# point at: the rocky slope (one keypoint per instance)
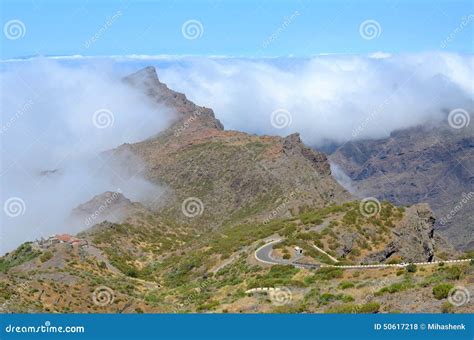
(432, 164)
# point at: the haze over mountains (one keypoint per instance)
(329, 99)
(213, 197)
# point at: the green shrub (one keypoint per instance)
(355, 252)
(446, 307)
(328, 273)
(46, 256)
(441, 291)
(132, 272)
(453, 273)
(346, 285)
(411, 268)
(325, 298)
(395, 287)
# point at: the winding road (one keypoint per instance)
(263, 254)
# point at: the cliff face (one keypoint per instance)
(413, 239)
(432, 164)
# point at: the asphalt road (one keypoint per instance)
(263, 254)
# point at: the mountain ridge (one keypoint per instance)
(245, 190)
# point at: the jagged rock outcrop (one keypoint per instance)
(148, 81)
(413, 238)
(293, 143)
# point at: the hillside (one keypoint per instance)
(148, 265)
(432, 164)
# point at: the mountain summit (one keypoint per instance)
(235, 175)
(148, 81)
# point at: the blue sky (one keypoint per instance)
(231, 28)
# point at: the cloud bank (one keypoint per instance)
(331, 98)
(56, 121)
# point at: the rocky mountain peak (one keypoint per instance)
(319, 161)
(196, 157)
(147, 80)
(110, 205)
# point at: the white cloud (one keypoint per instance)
(329, 97)
(48, 124)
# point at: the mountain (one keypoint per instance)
(229, 196)
(232, 174)
(108, 206)
(432, 164)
